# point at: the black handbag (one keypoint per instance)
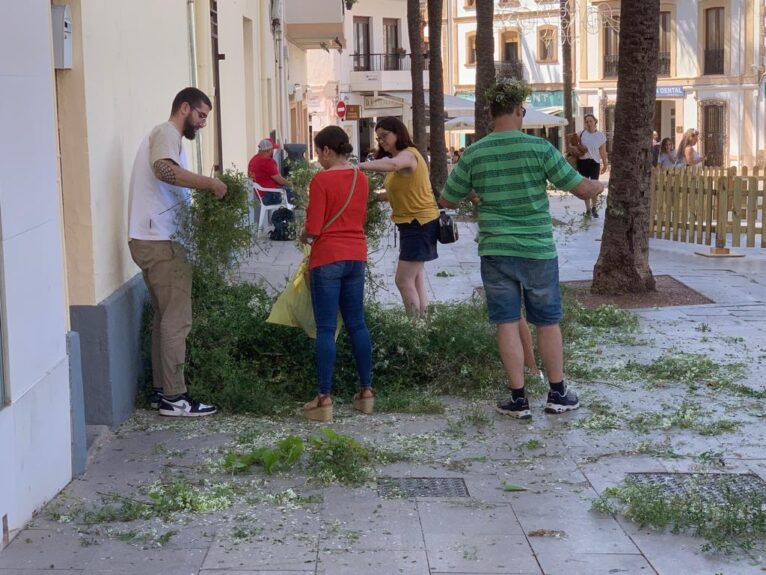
(447, 229)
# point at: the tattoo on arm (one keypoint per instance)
(164, 171)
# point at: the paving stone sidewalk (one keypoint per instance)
(283, 525)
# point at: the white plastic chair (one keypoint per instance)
(264, 218)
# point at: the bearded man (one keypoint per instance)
(159, 186)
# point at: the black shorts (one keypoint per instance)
(418, 242)
(590, 169)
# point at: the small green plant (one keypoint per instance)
(179, 495)
(336, 458)
(477, 416)
(216, 232)
(512, 487)
(737, 522)
(470, 553)
(444, 274)
(605, 316)
(284, 456)
(603, 417)
(145, 538)
(241, 533)
(687, 368)
(117, 509)
(711, 458)
(685, 416)
(533, 444)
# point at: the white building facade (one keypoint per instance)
(35, 418)
(370, 75)
(710, 74)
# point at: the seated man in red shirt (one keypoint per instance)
(263, 170)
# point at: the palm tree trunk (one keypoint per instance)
(416, 71)
(436, 97)
(623, 263)
(485, 63)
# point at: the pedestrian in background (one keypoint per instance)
(158, 189)
(656, 147)
(667, 157)
(414, 211)
(263, 170)
(594, 161)
(334, 228)
(686, 155)
(508, 170)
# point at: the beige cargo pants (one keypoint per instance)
(168, 276)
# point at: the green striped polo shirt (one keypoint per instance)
(509, 171)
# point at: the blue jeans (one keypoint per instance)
(333, 286)
(508, 279)
(272, 198)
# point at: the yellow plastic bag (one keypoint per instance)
(293, 306)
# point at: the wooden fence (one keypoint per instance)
(687, 206)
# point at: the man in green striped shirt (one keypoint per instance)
(508, 171)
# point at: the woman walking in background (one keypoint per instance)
(667, 157)
(334, 228)
(414, 210)
(594, 161)
(687, 156)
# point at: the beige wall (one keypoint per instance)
(127, 69)
(248, 77)
(75, 174)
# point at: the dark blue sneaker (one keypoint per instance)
(558, 403)
(155, 398)
(518, 408)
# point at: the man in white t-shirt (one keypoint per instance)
(159, 186)
(594, 161)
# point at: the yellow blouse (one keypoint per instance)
(410, 194)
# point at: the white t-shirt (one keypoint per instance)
(153, 204)
(592, 141)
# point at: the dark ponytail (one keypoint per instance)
(335, 138)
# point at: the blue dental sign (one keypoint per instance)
(670, 92)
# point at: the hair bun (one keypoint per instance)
(346, 148)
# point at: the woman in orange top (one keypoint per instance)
(334, 227)
(413, 207)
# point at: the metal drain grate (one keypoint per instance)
(714, 486)
(422, 487)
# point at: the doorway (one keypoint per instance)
(366, 137)
(713, 132)
(665, 119)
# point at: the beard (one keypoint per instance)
(190, 132)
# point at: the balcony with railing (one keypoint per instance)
(370, 72)
(610, 65)
(664, 65)
(381, 62)
(315, 24)
(510, 69)
(714, 61)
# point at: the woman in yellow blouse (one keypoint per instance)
(413, 207)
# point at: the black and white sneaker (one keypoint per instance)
(518, 408)
(185, 406)
(558, 403)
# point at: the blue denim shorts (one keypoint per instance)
(508, 279)
(418, 242)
